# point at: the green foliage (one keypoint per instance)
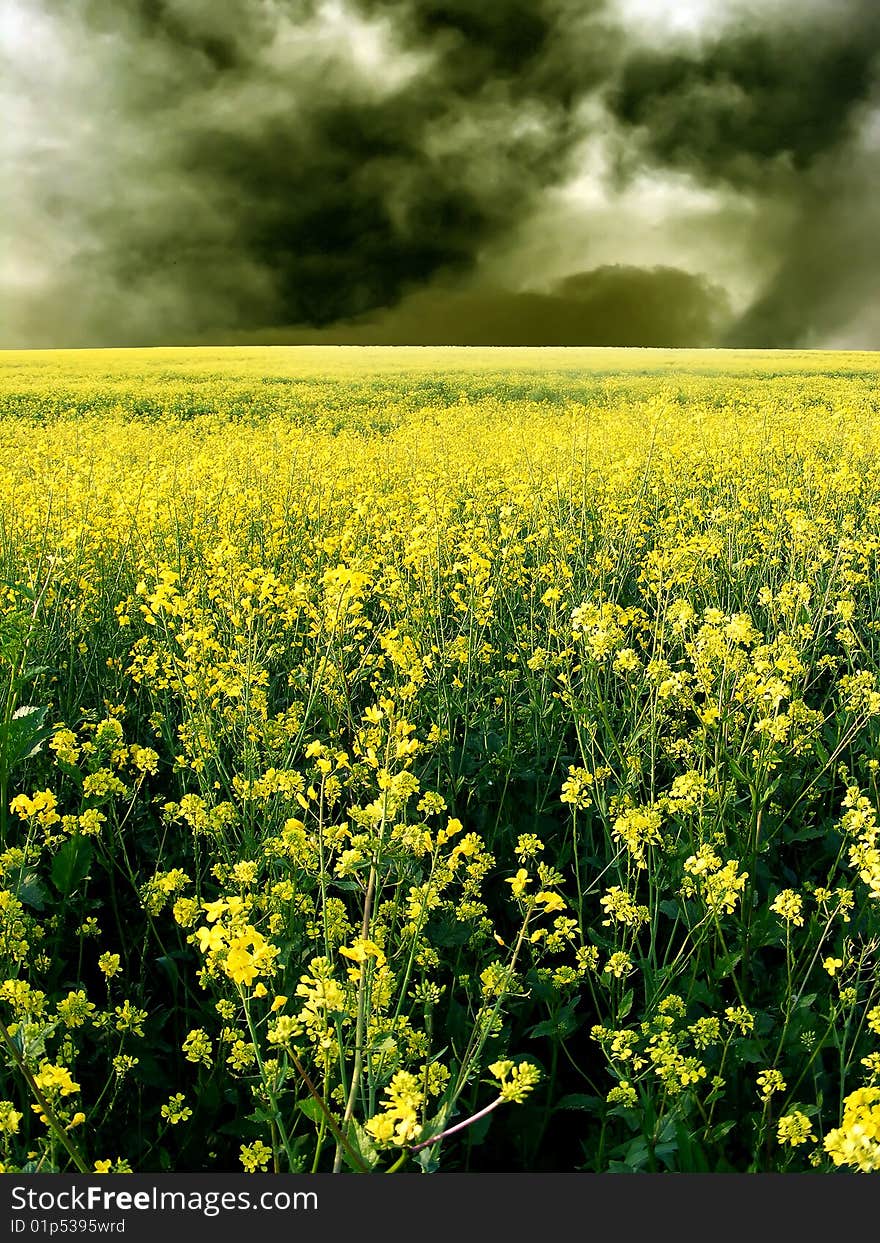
(381, 754)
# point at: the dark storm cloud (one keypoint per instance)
(322, 157)
(825, 288)
(351, 195)
(610, 305)
(185, 168)
(781, 113)
(737, 105)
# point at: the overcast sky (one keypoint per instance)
(682, 172)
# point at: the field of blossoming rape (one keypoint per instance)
(444, 760)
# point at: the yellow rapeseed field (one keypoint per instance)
(390, 737)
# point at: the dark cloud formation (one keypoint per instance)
(742, 102)
(291, 160)
(352, 193)
(626, 305)
(190, 168)
(788, 112)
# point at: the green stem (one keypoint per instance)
(319, 1100)
(48, 1112)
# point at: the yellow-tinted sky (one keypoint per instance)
(537, 171)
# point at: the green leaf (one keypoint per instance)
(561, 1026)
(476, 1133)
(749, 1051)
(25, 735)
(546, 1028)
(169, 966)
(312, 1110)
(427, 1160)
(808, 834)
(691, 1158)
(362, 1145)
(625, 1006)
(32, 891)
(28, 675)
(451, 933)
(579, 1100)
(666, 1153)
(263, 1115)
(700, 991)
(71, 865)
(726, 964)
(637, 1154)
(31, 1042)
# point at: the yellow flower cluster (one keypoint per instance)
(856, 1142)
(232, 944)
(362, 716)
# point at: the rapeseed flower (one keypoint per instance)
(794, 1128)
(266, 611)
(789, 906)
